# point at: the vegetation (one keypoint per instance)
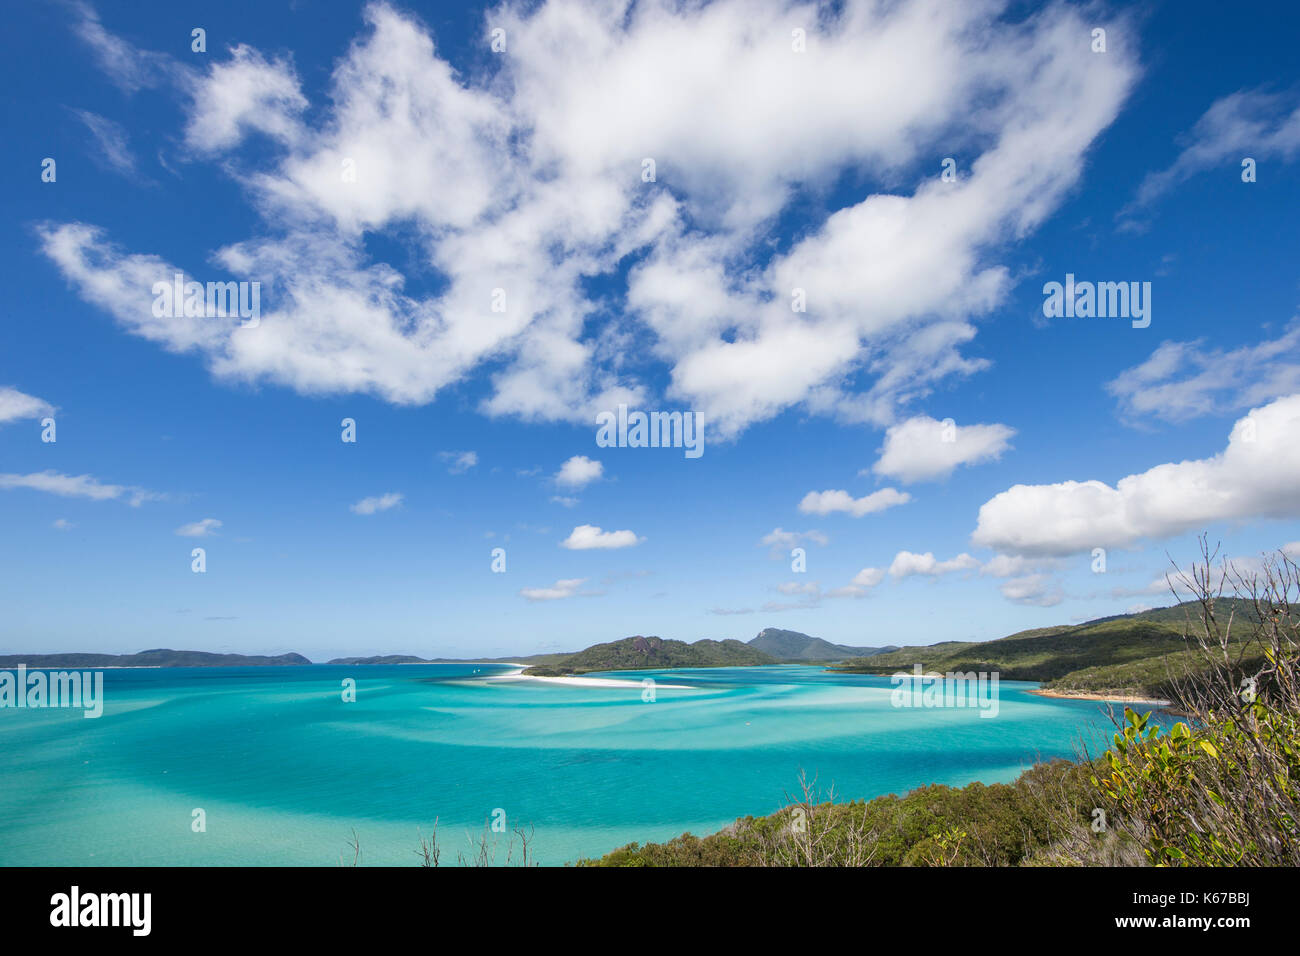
(1137, 655)
(1220, 790)
(639, 653)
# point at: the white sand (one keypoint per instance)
(630, 684)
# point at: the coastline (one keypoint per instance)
(575, 681)
(1103, 698)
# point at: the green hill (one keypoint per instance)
(637, 653)
(794, 646)
(1127, 655)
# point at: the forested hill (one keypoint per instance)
(638, 653)
(1133, 654)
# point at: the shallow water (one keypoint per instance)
(285, 771)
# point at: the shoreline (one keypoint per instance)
(576, 681)
(1102, 698)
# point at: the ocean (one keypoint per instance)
(271, 766)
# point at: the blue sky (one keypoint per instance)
(521, 169)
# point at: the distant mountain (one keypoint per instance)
(637, 653)
(383, 659)
(158, 657)
(793, 646)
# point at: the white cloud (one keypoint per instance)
(62, 524)
(199, 529)
(795, 587)
(1248, 123)
(564, 500)
(587, 536)
(78, 486)
(1038, 590)
(1009, 566)
(461, 461)
(131, 68)
(862, 584)
(369, 506)
(111, 143)
(828, 502)
(1254, 477)
(522, 173)
(868, 577)
(561, 589)
(917, 449)
(780, 540)
(16, 405)
(578, 471)
(246, 92)
(1184, 380)
(907, 563)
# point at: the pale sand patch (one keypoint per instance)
(1111, 698)
(580, 681)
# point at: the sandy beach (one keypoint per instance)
(1104, 698)
(578, 681)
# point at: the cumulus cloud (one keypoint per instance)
(829, 502)
(514, 180)
(199, 529)
(369, 506)
(245, 93)
(16, 405)
(1254, 477)
(1013, 565)
(1185, 380)
(78, 486)
(923, 449)
(561, 589)
(1037, 590)
(578, 471)
(907, 563)
(862, 584)
(586, 537)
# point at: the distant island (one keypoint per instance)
(1127, 656)
(639, 653)
(383, 659)
(158, 657)
(1124, 657)
(794, 646)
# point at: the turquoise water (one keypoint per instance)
(285, 770)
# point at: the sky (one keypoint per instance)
(826, 234)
